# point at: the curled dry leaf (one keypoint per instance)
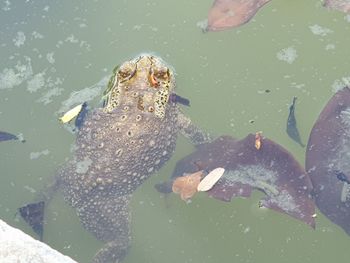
(187, 185)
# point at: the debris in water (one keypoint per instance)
(81, 116)
(187, 185)
(210, 180)
(5, 136)
(178, 99)
(226, 14)
(33, 214)
(271, 169)
(340, 5)
(292, 129)
(71, 114)
(288, 55)
(327, 159)
(257, 140)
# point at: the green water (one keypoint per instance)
(73, 45)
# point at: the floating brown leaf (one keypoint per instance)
(232, 13)
(340, 5)
(186, 185)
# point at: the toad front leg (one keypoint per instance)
(188, 129)
(108, 218)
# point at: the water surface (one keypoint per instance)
(50, 49)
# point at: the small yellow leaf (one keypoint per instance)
(210, 180)
(69, 115)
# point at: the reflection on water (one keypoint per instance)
(50, 50)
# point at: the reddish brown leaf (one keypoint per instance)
(232, 13)
(340, 5)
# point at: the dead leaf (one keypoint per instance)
(187, 185)
(210, 180)
(232, 13)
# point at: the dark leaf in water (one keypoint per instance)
(340, 5)
(292, 129)
(5, 136)
(33, 214)
(327, 159)
(270, 169)
(81, 116)
(164, 187)
(178, 99)
(232, 13)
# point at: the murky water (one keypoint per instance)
(50, 49)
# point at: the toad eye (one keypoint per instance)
(126, 71)
(158, 74)
(161, 73)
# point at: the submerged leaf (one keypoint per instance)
(79, 121)
(33, 214)
(271, 169)
(327, 159)
(178, 99)
(291, 128)
(5, 136)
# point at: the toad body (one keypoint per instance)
(119, 146)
